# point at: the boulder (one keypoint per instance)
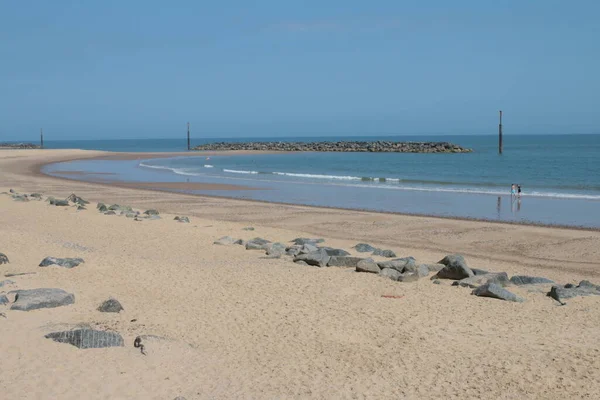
(318, 258)
(302, 241)
(37, 196)
(110, 212)
(33, 299)
(455, 268)
(529, 280)
(344, 261)
(77, 200)
(364, 248)
(422, 270)
(102, 208)
(368, 265)
(400, 264)
(60, 203)
(151, 212)
(496, 292)
(477, 271)
(307, 248)
(3, 259)
(225, 241)
(131, 215)
(87, 338)
(251, 245)
(20, 197)
(335, 252)
(182, 219)
(585, 288)
(384, 253)
(498, 278)
(3, 299)
(390, 273)
(434, 267)
(111, 305)
(275, 249)
(408, 277)
(61, 262)
(292, 250)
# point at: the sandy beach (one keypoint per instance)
(235, 324)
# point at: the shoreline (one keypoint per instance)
(207, 186)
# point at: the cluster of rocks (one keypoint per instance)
(307, 251)
(379, 146)
(19, 146)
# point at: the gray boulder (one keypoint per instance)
(151, 212)
(408, 277)
(185, 220)
(344, 261)
(225, 241)
(434, 267)
(292, 250)
(59, 203)
(77, 200)
(455, 268)
(498, 278)
(111, 305)
(319, 258)
(307, 248)
(585, 288)
(87, 338)
(335, 252)
(399, 264)
(275, 249)
(364, 248)
(496, 292)
(390, 274)
(368, 265)
(384, 253)
(102, 208)
(61, 262)
(529, 280)
(20, 197)
(110, 212)
(37, 196)
(3, 299)
(422, 270)
(3, 259)
(301, 241)
(33, 299)
(478, 271)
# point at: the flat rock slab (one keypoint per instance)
(344, 261)
(499, 278)
(33, 299)
(384, 253)
(496, 292)
(151, 212)
(368, 265)
(399, 264)
(585, 288)
(111, 305)
(455, 268)
(226, 241)
(364, 248)
(390, 274)
(529, 280)
(61, 262)
(3, 259)
(87, 338)
(318, 258)
(313, 241)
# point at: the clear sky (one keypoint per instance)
(143, 68)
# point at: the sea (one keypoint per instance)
(559, 176)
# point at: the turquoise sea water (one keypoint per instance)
(559, 175)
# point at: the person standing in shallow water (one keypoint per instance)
(519, 190)
(512, 190)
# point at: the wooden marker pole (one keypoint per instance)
(188, 137)
(500, 134)
(41, 138)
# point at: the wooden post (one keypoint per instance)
(500, 134)
(188, 126)
(41, 138)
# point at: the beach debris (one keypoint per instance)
(111, 305)
(226, 241)
(73, 198)
(335, 252)
(182, 219)
(455, 268)
(496, 292)
(529, 280)
(302, 241)
(248, 228)
(3, 259)
(568, 291)
(137, 343)
(408, 277)
(368, 265)
(318, 258)
(257, 244)
(390, 273)
(392, 296)
(498, 278)
(3, 299)
(384, 253)
(6, 282)
(87, 338)
(343, 261)
(399, 264)
(364, 248)
(33, 299)
(62, 262)
(151, 212)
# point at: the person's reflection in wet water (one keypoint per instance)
(499, 206)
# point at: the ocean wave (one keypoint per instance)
(208, 166)
(234, 171)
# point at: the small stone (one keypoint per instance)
(225, 241)
(437, 282)
(33, 299)
(300, 262)
(405, 264)
(368, 265)
(248, 228)
(478, 271)
(384, 253)
(6, 282)
(318, 258)
(87, 338)
(529, 280)
(110, 212)
(3, 299)
(364, 248)
(585, 288)
(3, 259)
(344, 261)
(335, 252)
(390, 273)
(408, 277)
(496, 292)
(60, 203)
(455, 268)
(62, 262)
(302, 241)
(182, 219)
(498, 278)
(111, 305)
(102, 208)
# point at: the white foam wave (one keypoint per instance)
(235, 171)
(208, 166)
(314, 176)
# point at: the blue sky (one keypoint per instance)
(143, 68)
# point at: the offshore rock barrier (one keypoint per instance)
(375, 147)
(19, 146)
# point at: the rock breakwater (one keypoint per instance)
(19, 146)
(346, 146)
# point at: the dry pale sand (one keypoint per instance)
(241, 326)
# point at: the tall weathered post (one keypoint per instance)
(188, 126)
(500, 134)
(41, 138)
